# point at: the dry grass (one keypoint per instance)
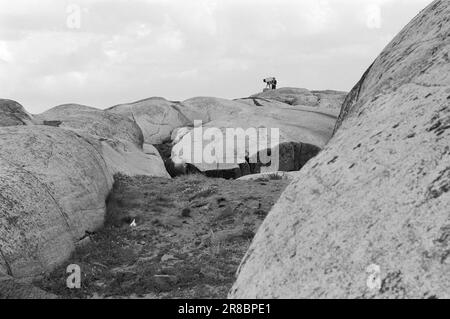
(190, 236)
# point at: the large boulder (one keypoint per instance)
(295, 96)
(93, 121)
(330, 99)
(156, 117)
(369, 217)
(54, 180)
(119, 139)
(53, 187)
(303, 132)
(127, 159)
(208, 109)
(304, 129)
(12, 114)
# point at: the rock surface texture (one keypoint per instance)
(118, 138)
(13, 114)
(53, 187)
(378, 196)
(294, 96)
(156, 117)
(304, 129)
(270, 176)
(94, 122)
(54, 180)
(303, 132)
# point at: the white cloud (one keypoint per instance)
(5, 54)
(318, 16)
(373, 16)
(128, 50)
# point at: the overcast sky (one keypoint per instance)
(106, 52)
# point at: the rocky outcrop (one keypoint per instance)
(54, 180)
(303, 132)
(13, 114)
(207, 109)
(93, 121)
(53, 187)
(368, 217)
(127, 159)
(119, 139)
(156, 117)
(294, 96)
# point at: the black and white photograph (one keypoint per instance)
(221, 155)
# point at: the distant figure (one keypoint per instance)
(271, 83)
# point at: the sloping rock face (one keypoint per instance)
(369, 217)
(53, 187)
(12, 114)
(156, 117)
(296, 96)
(304, 129)
(330, 99)
(303, 132)
(54, 180)
(208, 109)
(119, 139)
(127, 159)
(93, 121)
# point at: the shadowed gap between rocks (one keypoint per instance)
(293, 156)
